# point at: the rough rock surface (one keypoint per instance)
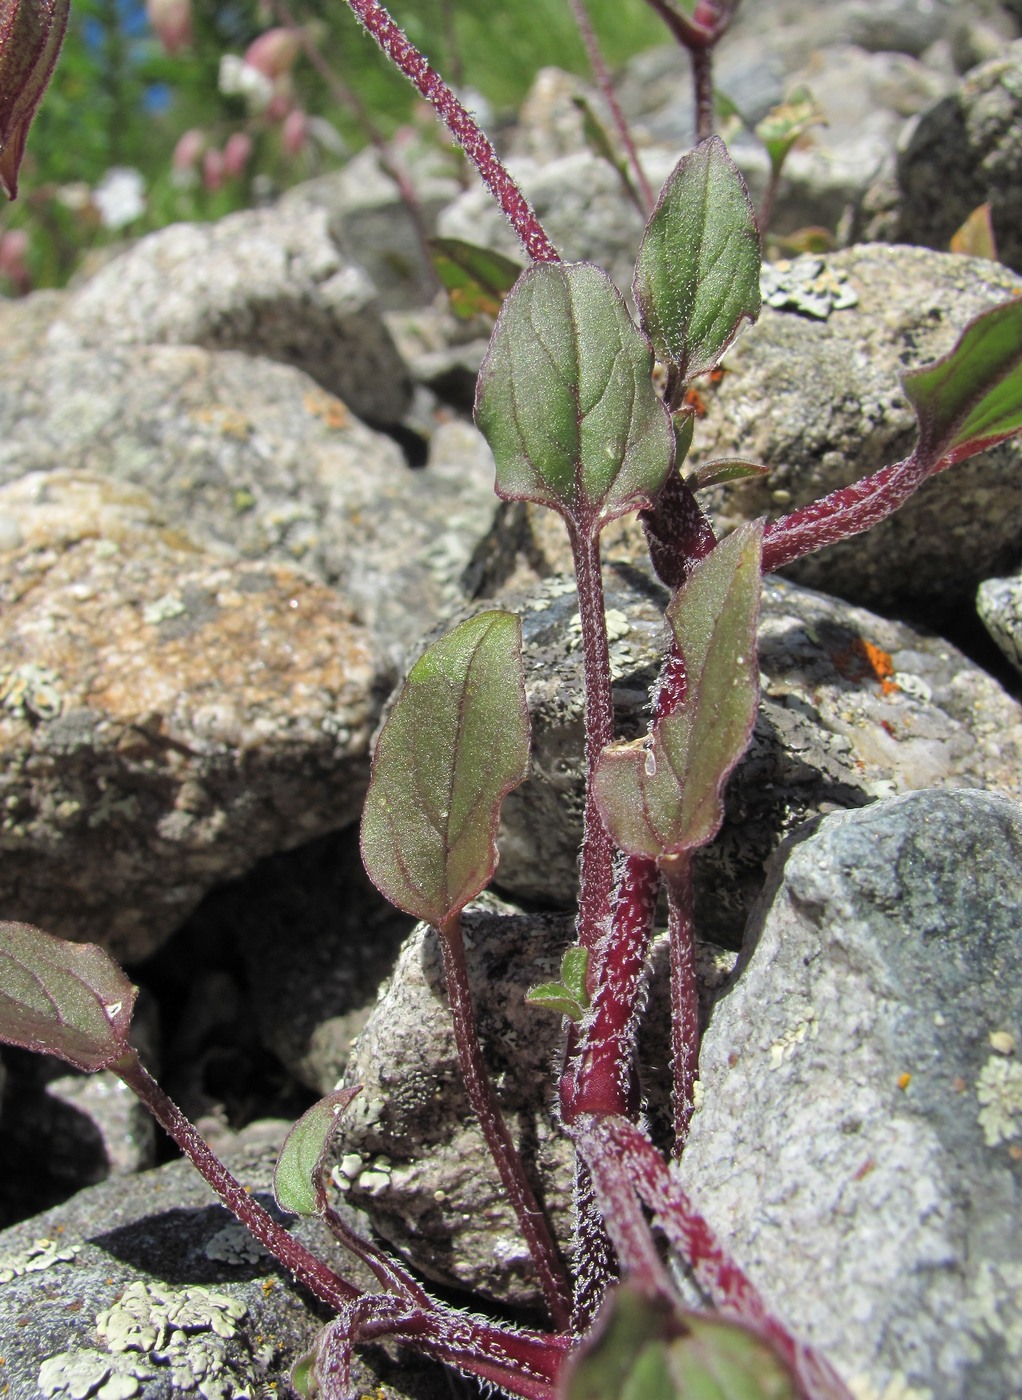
(256, 459)
(72, 1278)
(860, 1140)
(269, 282)
(964, 151)
(999, 604)
(854, 707)
(412, 1155)
(166, 717)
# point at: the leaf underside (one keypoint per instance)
(566, 401)
(64, 999)
(667, 798)
(298, 1176)
(455, 744)
(697, 273)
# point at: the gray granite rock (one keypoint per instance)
(72, 1279)
(963, 152)
(269, 282)
(818, 401)
(166, 716)
(999, 604)
(854, 707)
(254, 458)
(860, 1140)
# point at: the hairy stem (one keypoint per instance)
(602, 75)
(677, 873)
(596, 883)
(702, 82)
(552, 1277)
(405, 56)
(305, 1267)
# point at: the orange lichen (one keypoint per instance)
(863, 661)
(331, 410)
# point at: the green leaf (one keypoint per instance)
(65, 999)
(298, 1176)
(303, 1376)
(569, 996)
(723, 469)
(972, 397)
(644, 1349)
(455, 744)
(665, 796)
(697, 274)
(476, 279)
(566, 401)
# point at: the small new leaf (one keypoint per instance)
(976, 237)
(697, 274)
(721, 470)
(298, 1183)
(455, 744)
(568, 997)
(784, 124)
(666, 797)
(566, 401)
(64, 999)
(644, 1349)
(972, 397)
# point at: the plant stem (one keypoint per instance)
(596, 884)
(305, 1267)
(479, 1088)
(702, 81)
(677, 873)
(602, 75)
(462, 127)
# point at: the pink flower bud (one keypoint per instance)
(213, 169)
(31, 32)
(295, 131)
(280, 104)
(236, 154)
(172, 21)
(274, 52)
(188, 149)
(13, 264)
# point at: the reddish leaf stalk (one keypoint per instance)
(533, 1223)
(677, 532)
(386, 1270)
(305, 1267)
(603, 77)
(677, 873)
(848, 511)
(462, 127)
(596, 882)
(596, 1264)
(712, 1268)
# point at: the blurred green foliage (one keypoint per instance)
(117, 100)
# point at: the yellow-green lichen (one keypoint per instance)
(88, 1374)
(41, 1254)
(999, 1090)
(32, 692)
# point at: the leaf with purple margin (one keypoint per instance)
(971, 398)
(665, 795)
(697, 273)
(455, 744)
(64, 999)
(298, 1176)
(566, 401)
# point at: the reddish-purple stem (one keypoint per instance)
(462, 127)
(702, 82)
(533, 1223)
(677, 873)
(845, 512)
(602, 75)
(677, 532)
(596, 883)
(386, 1270)
(712, 1268)
(305, 1267)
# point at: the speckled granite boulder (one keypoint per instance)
(999, 604)
(84, 1289)
(254, 458)
(860, 1140)
(965, 151)
(854, 707)
(166, 716)
(267, 281)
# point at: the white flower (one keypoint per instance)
(120, 196)
(239, 79)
